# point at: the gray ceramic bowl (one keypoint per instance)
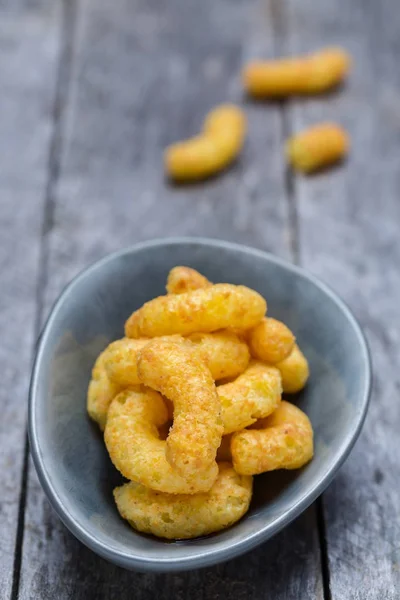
(68, 450)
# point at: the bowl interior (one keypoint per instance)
(68, 449)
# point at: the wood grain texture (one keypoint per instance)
(60, 567)
(349, 235)
(28, 57)
(144, 74)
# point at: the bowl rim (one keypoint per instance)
(208, 557)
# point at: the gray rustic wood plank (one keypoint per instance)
(284, 568)
(29, 45)
(145, 73)
(349, 235)
(151, 77)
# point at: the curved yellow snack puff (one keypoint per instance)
(317, 147)
(185, 279)
(253, 395)
(215, 148)
(174, 370)
(137, 450)
(285, 441)
(120, 360)
(183, 517)
(217, 307)
(223, 352)
(294, 371)
(270, 341)
(101, 391)
(309, 74)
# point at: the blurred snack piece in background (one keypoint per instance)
(212, 150)
(317, 147)
(311, 74)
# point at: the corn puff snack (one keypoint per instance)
(191, 406)
(271, 341)
(219, 306)
(283, 441)
(317, 147)
(294, 371)
(182, 517)
(311, 74)
(212, 150)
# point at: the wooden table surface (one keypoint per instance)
(91, 93)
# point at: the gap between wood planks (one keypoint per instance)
(62, 86)
(278, 12)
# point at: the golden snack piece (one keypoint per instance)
(101, 391)
(224, 353)
(120, 361)
(184, 517)
(253, 395)
(212, 150)
(224, 451)
(317, 147)
(174, 370)
(310, 74)
(219, 306)
(271, 341)
(285, 441)
(294, 371)
(136, 447)
(184, 279)
(190, 448)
